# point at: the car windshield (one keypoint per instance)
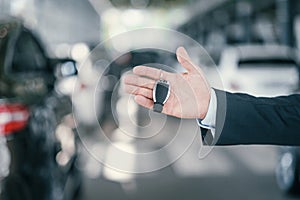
(28, 56)
(267, 63)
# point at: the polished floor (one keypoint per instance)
(237, 172)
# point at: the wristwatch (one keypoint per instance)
(161, 93)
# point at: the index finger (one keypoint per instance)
(151, 72)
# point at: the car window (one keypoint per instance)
(272, 63)
(28, 56)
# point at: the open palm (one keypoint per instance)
(190, 91)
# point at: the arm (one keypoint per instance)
(239, 118)
(244, 119)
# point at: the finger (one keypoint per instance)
(151, 72)
(139, 81)
(143, 101)
(185, 60)
(138, 91)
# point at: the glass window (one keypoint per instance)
(28, 56)
(272, 63)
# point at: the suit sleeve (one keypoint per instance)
(244, 119)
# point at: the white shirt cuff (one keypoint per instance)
(209, 122)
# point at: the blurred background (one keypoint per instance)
(61, 99)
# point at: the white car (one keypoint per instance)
(260, 70)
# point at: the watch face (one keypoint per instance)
(161, 92)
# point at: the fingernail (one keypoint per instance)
(135, 68)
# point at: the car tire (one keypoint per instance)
(287, 171)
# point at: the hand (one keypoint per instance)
(190, 91)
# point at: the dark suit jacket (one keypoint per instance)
(244, 119)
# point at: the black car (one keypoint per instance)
(35, 119)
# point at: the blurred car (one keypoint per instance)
(267, 70)
(35, 120)
(261, 70)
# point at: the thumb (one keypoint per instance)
(185, 60)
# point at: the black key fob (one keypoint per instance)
(161, 93)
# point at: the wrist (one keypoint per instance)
(210, 119)
(204, 105)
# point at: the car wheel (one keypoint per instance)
(287, 171)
